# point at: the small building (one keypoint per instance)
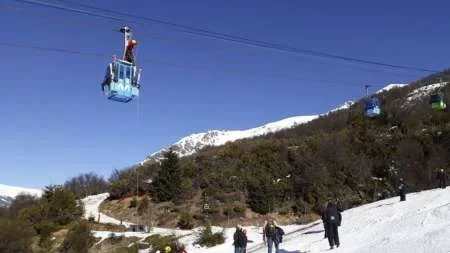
(138, 228)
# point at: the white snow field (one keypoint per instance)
(421, 224)
(91, 208)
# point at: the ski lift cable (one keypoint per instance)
(311, 59)
(227, 37)
(235, 72)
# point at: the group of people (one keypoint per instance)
(332, 218)
(272, 237)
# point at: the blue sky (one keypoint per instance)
(55, 122)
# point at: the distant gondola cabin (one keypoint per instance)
(437, 102)
(372, 107)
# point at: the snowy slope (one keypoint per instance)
(8, 193)
(194, 142)
(421, 224)
(391, 86)
(91, 209)
(424, 91)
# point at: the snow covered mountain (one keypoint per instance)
(194, 142)
(8, 193)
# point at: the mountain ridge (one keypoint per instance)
(192, 143)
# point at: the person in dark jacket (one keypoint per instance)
(333, 219)
(442, 177)
(402, 189)
(246, 240)
(324, 221)
(240, 240)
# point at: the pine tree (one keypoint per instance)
(168, 182)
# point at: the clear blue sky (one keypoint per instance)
(55, 122)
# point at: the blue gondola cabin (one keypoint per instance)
(121, 81)
(372, 107)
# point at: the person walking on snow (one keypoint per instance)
(333, 220)
(240, 240)
(324, 221)
(272, 235)
(402, 189)
(442, 177)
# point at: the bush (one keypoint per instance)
(79, 239)
(46, 229)
(186, 221)
(208, 239)
(143, 206)
(15, 236)
(134, 203)
(158, 242)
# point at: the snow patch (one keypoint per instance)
(391, 86)
(424, 91)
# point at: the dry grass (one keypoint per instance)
(119, 245)
(58, 236)
(167, 214)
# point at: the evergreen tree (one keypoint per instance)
(167, 184)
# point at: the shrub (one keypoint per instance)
(158, 242)
(186, 221)
(143, 206)
(79, 239)
(15, 236)
(208, 239)
(134, 203)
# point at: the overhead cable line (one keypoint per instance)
(152, 37)
(225, 37)
(235, 72)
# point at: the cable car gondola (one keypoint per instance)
(371, 105)
(437, 101)
(122, 79)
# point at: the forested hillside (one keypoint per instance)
(341, 155)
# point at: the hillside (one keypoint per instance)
(193, 143)
(293, 170)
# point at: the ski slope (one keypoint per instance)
(91, 209)
(421, 224)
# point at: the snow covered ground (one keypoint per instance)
(91, 206)
(421, 224)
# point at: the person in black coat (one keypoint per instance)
(240, 240)
(333, 220)
(402, 189)
(324, 221)
(442, 177)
